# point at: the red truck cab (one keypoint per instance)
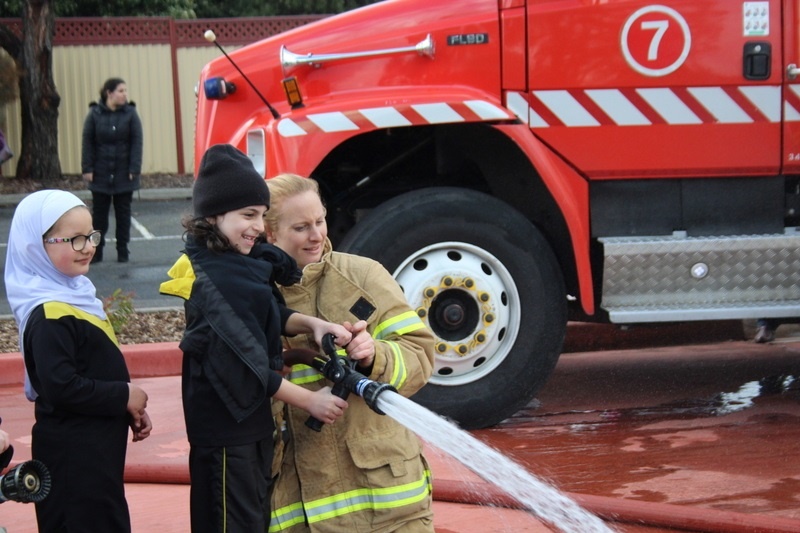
(519, 163)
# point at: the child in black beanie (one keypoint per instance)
(232, 345)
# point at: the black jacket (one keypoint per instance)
(112, 148)
(232, 344)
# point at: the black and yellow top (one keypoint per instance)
(75, 364)
(81, 431)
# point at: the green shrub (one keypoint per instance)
(119, 308)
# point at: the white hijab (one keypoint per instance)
(31, 278)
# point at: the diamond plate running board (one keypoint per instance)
(680, 278)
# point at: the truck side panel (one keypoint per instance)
(655, 83)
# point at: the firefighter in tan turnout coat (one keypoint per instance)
(366, 472)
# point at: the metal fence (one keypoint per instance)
(160, 60)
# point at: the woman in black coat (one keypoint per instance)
(112, 161)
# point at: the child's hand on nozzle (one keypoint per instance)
(342, 334)
(326, 407)
(361, 347)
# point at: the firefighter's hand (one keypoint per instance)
(325, 406)
(361, 348)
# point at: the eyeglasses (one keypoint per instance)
(78, 241)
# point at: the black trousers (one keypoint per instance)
(86, 459)
(101, 204)
(231, 487)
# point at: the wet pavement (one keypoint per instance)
(710, 426)
(702, 437)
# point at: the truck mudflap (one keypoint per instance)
(680, 278)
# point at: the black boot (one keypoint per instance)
(123, 256)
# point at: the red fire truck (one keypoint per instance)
(520, 163)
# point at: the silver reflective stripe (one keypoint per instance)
(301, 374)
(400, 372)
(351, 502)
(398, 325)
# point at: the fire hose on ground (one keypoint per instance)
(341, 371)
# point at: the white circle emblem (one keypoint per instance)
(655, 40)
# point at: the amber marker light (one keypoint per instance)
(292, 92)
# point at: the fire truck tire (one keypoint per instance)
(486, 282)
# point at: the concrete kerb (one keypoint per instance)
(143, 360)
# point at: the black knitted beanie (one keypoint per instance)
(227, 181)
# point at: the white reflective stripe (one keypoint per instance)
(385, 117)
(569, 110)
(669, 106)
(519, 106)
(719, 104)
(437, 113)
(790, 114)
(619, 108)
(566, 108)
(485, 110)
(288, 128)
(766, 98)
(331, 122)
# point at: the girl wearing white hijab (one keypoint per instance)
(75, 370)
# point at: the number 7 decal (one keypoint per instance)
(651, 44)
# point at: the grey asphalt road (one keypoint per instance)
(155, 245)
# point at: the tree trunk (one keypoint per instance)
(39, 99)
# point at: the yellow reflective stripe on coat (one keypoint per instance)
(287, 517)
(398, 325)
(302, 374)
(351, 502)
(400, 371)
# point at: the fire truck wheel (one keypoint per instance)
(486, 283)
